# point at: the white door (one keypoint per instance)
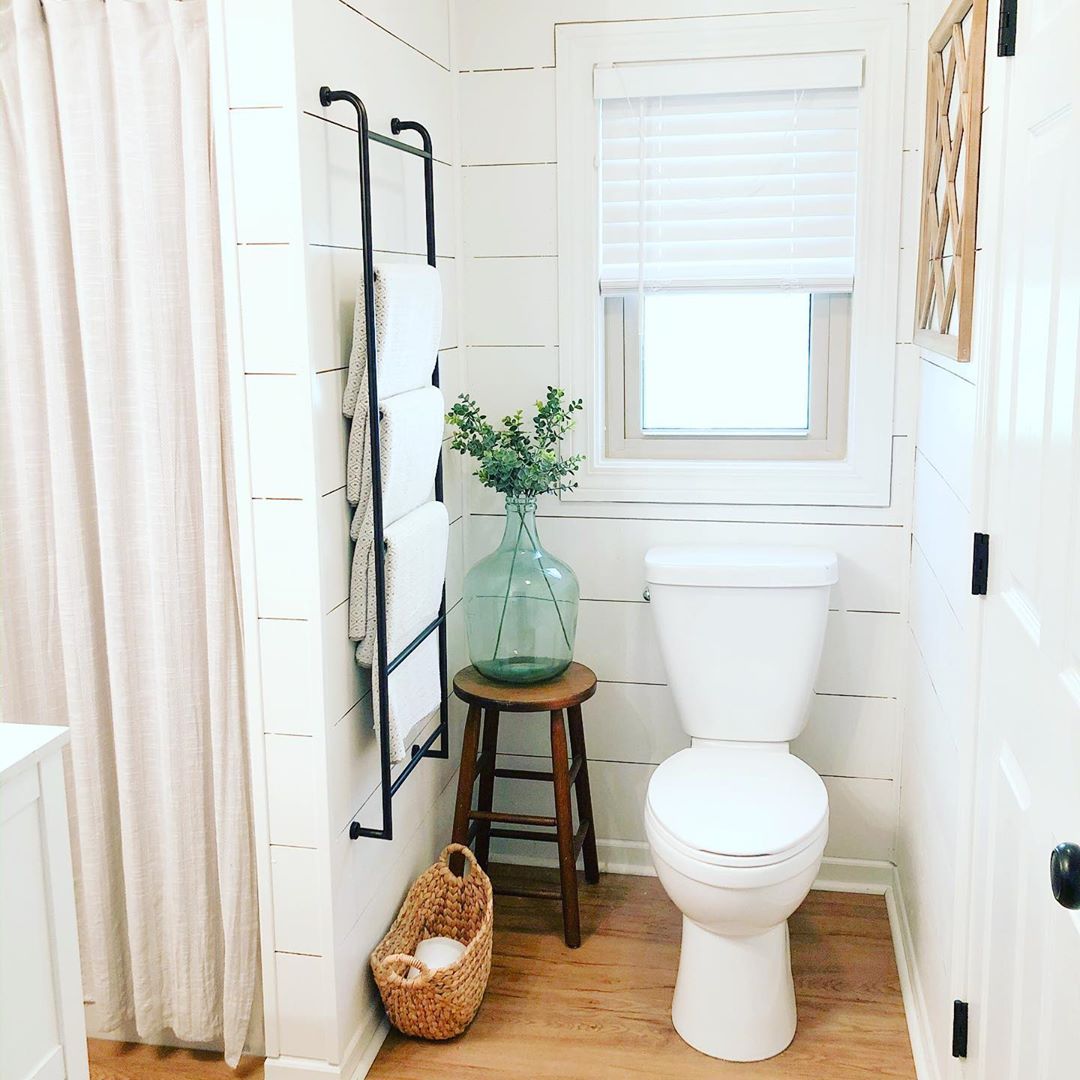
(1025, 1008)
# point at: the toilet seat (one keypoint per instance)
(736, 806)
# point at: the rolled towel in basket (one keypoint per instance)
(410, 434)
(408, 319)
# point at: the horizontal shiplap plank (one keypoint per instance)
(946, 433)
(285, 558)
(286, 679)
(509, 210)
(942, 528)
(939, 637)
(271, 309)
(511, 301)
(303, 1001)
(294, 879)
(264, 193)
(278, 418)
(862, 813)
(608, 555)
(638, 723)
(507, 117)
(292, 790)
(861, 654)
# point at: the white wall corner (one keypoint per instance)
(915, 1009)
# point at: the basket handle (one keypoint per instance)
(458, 849)
(406, 961)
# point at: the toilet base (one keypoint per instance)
(734, 998)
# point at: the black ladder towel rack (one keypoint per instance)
(384, 667)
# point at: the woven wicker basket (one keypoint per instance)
(438, 1004)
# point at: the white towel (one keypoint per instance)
(410, 434)
(415, 692)
(415, 566)
(408, 318)
(415, 569)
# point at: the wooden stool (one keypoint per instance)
(565, 692)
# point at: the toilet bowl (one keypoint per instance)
(736, 824)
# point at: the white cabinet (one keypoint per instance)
(42, 1029)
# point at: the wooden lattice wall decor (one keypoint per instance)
(954, 95)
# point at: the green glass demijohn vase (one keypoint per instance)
(521, 605)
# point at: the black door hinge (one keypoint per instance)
(980, 564)
(959, 1029)
(1007, 28)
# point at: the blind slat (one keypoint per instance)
(730, 189)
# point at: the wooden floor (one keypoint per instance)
(604, 1010)
(134, 1061)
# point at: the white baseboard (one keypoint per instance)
(633, 857)
(910, 984)
(357, 1061)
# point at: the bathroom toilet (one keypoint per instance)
(736, 823)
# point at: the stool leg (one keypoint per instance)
(583, 794)
(466, 779)
(487, 784)
(564, 827)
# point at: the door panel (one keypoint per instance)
(1025, 947)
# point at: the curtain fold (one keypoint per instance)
(120, 606)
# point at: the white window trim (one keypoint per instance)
(862, 476)
(829, 364)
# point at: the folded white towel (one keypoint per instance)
(408, 318)
(414, 691)
(415, 568)
(410, 434)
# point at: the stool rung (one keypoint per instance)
(524, 774)
(523, 834)
(532, 894)
(481, 764)
(579, 837)
(536, 774)
(512, 819)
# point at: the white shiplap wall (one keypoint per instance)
(292, 208)
(941, 642)
(508, 157)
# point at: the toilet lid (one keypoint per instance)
(738, 802)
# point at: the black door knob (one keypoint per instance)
(1065, 875)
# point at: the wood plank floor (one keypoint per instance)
(133, 1061)
(604, 1010)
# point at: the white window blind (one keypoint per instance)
(749, 185)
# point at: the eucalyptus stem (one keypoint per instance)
(509, 582)
(540, 559)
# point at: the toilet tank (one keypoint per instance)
(740, 630)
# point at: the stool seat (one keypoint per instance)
(575, 685)
(561, 699)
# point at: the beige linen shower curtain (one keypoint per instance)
(119, 585)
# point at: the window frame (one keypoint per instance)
(861, 476)
(825, 438)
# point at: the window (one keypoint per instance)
(729, 198)
(727, 255)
